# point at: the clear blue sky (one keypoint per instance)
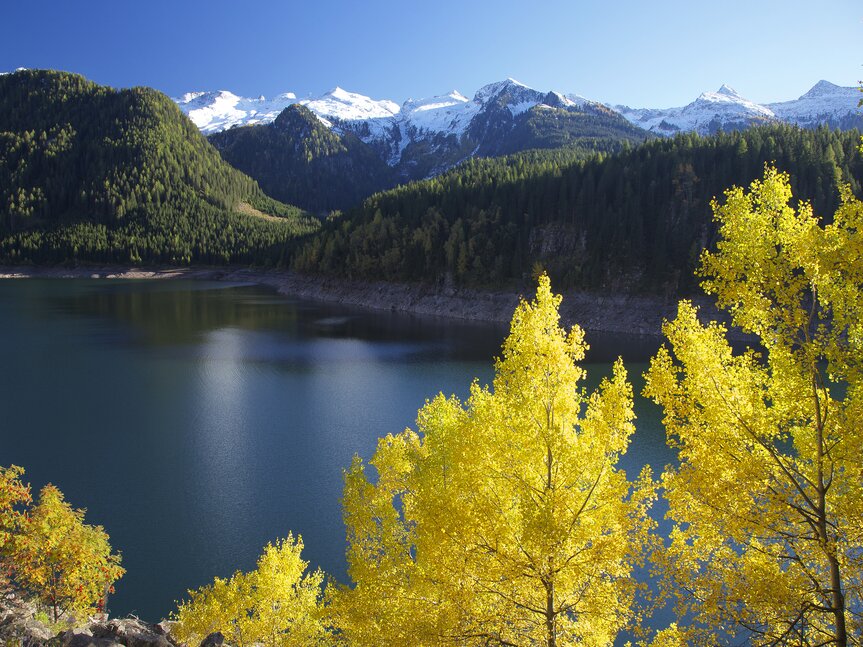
(644, 53)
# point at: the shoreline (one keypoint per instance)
(606, 313)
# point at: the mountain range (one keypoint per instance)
(825, 103)
(467, 127)
(330, 152)
(378, 144)
(394, 127)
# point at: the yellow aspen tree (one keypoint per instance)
(276, 605)
(14, 498)
(503, 520)
(767, 500)
(66, 564)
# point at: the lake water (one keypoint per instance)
(197, 421)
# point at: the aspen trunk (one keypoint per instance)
(550, 619)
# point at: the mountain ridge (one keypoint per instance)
(724, 109)
(382, 123)
(349, 156)
(825, 103)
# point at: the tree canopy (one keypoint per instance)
(505, 519)
(49, 553)
(276, 605)
(767, 501)
(635, 220)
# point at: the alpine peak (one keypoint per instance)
(727, 90)
(822, 88)
(492, 90)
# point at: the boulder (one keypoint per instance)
(131, 632)
(85, 638)
(215, 639)
(19, 626)
(163, 628)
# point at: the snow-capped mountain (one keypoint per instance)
(385, 125)
(825, 103)
(392, 128)
(215, 111)
(725, 109)
(344, 134)
(421, 138)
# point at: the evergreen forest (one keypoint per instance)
(299, 160)
(92, 174)
(636, 220)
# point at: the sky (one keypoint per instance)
(658, 53)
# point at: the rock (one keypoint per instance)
(33, 633)
(163, 628)
(215, 639)
(19, 627)
(131, 632)
(85, 638)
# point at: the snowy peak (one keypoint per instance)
(518, 98)
(339, 94)
(711, 112)
(824, 88)
(349, 106)
(215, 111)
(728, 97)
(508, 87)
(728, 91)
(824, 103)
(726, 109)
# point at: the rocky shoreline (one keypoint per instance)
(607, 313)
(20, 626)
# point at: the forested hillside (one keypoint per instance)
(636, 220)
(88, 173)
(299, 160)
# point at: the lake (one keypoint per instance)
(196, 421)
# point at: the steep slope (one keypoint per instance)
(92, 173)
(297, 159)
(433, 135)
(634, 221)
